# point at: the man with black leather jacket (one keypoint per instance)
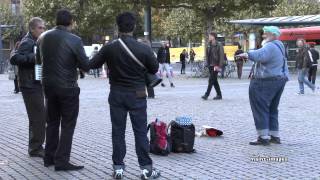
(61, 53)
(31, 90)
(128, 94)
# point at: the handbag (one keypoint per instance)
(152, 80)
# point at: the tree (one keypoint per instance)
(7, 18)
(92, 17)
(297, 8)
(183, 23)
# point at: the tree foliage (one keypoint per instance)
(297, 8)
(92, 17)
(7, 18)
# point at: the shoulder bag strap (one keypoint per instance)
(130, 53)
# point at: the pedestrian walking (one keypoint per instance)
(163, 57)
(303, 64)
(239, 61)
(215, 61)
(183, 57)
(312, 75)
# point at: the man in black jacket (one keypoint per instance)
(128, 94)
(215, 60)
(31, 90)
(163, 58)
(61, 53)
(313, 69)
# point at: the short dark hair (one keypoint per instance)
(213, 34)
(64, 17)
(126, 22)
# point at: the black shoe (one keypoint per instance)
(68, 167)
(163, 85)
(146, 174)
(172, 85)
(48, 161)
(118, 173)
(217, 98)
(275, 140)
(204, 97)
(39, 153)
(15, 91)
(260, 141)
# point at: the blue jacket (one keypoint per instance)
(270, 60)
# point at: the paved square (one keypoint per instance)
(228, 157)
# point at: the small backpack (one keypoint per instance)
(159, 140)
(182, 137)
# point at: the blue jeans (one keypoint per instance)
(264, 95)
(302, 79)
(121, 103)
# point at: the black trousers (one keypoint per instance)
(34, 102)
(122, 102)
(213, 81)
(150, 92)
(16, 86)
(63, 109)
(239, 68)
(183, 67)
(312, 74)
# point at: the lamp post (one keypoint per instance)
(147, 20)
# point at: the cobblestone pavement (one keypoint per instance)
(227, 157)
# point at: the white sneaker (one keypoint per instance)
(154, 174)
(118, 174)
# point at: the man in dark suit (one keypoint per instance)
(61, 53)
(31, 89)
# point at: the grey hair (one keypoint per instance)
(34, 22)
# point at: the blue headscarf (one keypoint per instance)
(272, 29)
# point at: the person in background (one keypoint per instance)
(303, 63)
(239, 61)
(96, 72)
(150, 90)
(61, 54)
(163, 57)
(24, 58)
(192, 58)
(183, 57)
(313, 69)
(128, 94)
(15, 70)
(215, 60)
(266, 86)
(225, 64)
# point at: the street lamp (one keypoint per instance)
(147, 20)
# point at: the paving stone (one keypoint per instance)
(227, 157)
